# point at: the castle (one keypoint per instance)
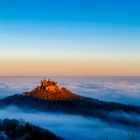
(48, 85)
(50, 90)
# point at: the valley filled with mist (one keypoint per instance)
(71, 126)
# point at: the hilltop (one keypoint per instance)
(51, 91)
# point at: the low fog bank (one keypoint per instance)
(7, 92)
(116, 90)
(71, 126)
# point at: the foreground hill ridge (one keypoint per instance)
(12, 129)
(50, 90)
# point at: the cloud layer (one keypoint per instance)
(71, 126)
(119, 89)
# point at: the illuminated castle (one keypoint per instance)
(49, 85)
(50, 90)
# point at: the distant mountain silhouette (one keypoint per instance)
(16, 130)
(49, 96)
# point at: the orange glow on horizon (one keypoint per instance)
(69, 67)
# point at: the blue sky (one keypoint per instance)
(97, 11)
(72, 28)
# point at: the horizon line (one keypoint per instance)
(70, 76)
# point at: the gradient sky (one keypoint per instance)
(70, 37)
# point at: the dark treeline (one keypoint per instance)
(17, 130)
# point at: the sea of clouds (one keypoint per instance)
(119, 89)
(71, 126)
